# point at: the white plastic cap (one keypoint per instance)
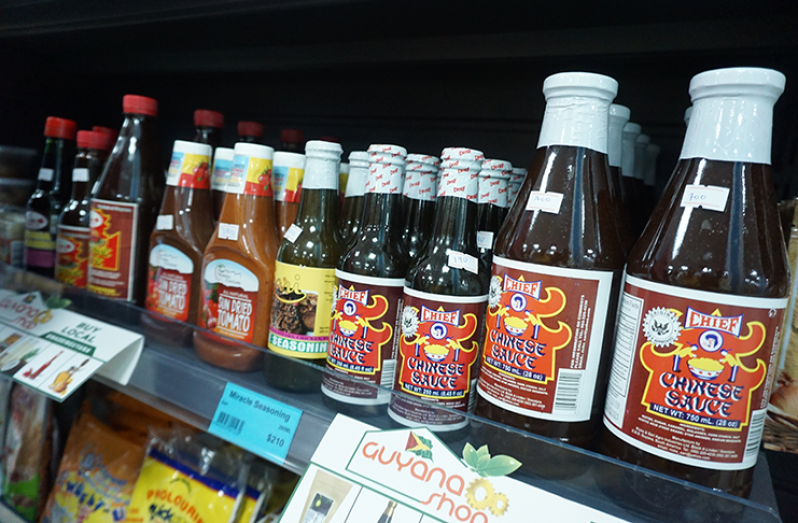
(462, 153)
(580, 84)
(620, 111)
(286, 159)
(643, 138)
(736, 81)
(632, 128)
(359, 159)
(619, 115)
(224, 153)
(254, 150)
(497, 165)
(202, 149)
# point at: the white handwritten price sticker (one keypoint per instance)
(544, 201)
(164, 222)
(485, 239)
(255, 422)
(228, 231)
(709, 197)
(80, 174)
(293, 233)
(461, 260)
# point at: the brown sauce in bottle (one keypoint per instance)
(354, 197)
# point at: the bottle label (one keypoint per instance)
(485, 240)
(545, 331)
(362, 341)
(165, 222)
(221, 173)
(45, 174)
(301, 310)
(461, 183)
(285, 183)
(492, 190)
(250, 175)
(80, 174)
(549, 202)
(112, 248)
(428, 189)
(39, 242)
(384, 178)
(229, 300)
(709, 197)
(72, 261)
(188, 170)
(438, 353)
(169, 282)
(412, 184)
(692, 373)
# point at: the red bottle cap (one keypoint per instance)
(250, 129)
(110, 134)
(331, 139)
(206, 118)
(94, 140)
(135, 104)
(292, 136)
(55, 127)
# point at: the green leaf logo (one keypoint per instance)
(482, 463)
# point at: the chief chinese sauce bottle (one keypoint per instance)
(492, 200)
(124, 205)
(444, 307)
(209, 125)
(182, 230)
(222, 164)
(289, 169)
(47, 201)
(556, 270)
(705, 292)
(420, 189)
(238, 266)
(72, 262)
(352, 210)
(304, 275)
(371, 274)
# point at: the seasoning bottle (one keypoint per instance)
(289, 169)
(291, 140)
(444, 307)
(209, 125)
(182, 230)
(238, 266)
(619, 116)
(363, 337)
(420, 190)
(222, 164)
(556, 270)
(304, 279)
(494, 178)
(631, 187)
(704, 296)
(250, 132)
(352, 208)
(72, 245)
(52, 192)
(124, 206)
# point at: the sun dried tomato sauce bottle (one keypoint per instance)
(125, 204)
(444, 307)
(287, 175)
(250, 132)
(72, 245)
(556, 270)
(208, 125)
(222, 164)
(494, 179)
(371, 274)
(704, 297)
(182, 230)
(418, 205)
(352, 209)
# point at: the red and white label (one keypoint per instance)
(72, 255)
(384, 178)
(492, 189)
(460, 183)
(229, 300)
(169, 282)
(112, 248)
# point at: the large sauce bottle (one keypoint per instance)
(289, 169)
(444, 307)
(705, 292)
(250, 132)
(494, 178)
(124, 205)
(304, 280)
(222, 164)
(209, 125)
(238, 266)
(352, 209)
(52, 192)
(72, 263)
(556, 271)
(182, 230)
(371, 274)
(418, 207)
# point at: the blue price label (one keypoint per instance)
(255, 422)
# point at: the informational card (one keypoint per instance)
(360, 474)
(55, 350)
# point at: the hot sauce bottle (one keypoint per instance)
(250, 132)
(704, 296)
(52, 192)
(420, 190)
(222, 164)
(125, 204)
(368, 301)
(72, 245)
(556, 270)
(444, 307)
(238, 266)
(182, 230)
(494, 178)
(304, 279)
(352, 209)
(289, 169)
(209, 125)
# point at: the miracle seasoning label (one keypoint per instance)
(169, 282)
(692, 373)
(362, 337)
(438, 354)
(302, 310)
(72, 260)
(544, 339)
(229, 300)
(112, 247)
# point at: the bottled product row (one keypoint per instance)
(513, 317)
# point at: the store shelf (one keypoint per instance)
(173, 379)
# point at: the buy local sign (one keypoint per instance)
(358, 471)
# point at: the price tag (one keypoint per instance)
(293, 233)
(485, 239)
(709, 197)
(46, 174)
(228, 231)
(164, 222)
(80, 174)
(255, 422)
(544, 201)
(461, 260)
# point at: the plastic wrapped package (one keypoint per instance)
(260, 486)
(5, 398)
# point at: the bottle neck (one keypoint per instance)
(319, 208)
(615, 140)
(455, 225)
(55, 164)
(577, 121)
(356, 185)
(320, 173)
(628, 154)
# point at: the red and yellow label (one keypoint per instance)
(259, 177)
(690, 377)
(189, 170)
(72, 260)
(169, 282)
(112, 248)
(229, 300)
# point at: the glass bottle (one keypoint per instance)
(444, 307)
(250, 132)
(556, 270)
(420, 190)
(209, 125)
(343, 179)
(182, 230)
(650, 173)
(630, 186)
(619, 116)
(516, 180)
(112, 134)
(72, 245)
(304, 280)
(222, 164)
(644, 204)
(125, 204)
(292, 140)
(52, 192)
(289, 169)
(704, 296)
(238, 266)
(370, 276)
(352, 209)
(494, 178)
